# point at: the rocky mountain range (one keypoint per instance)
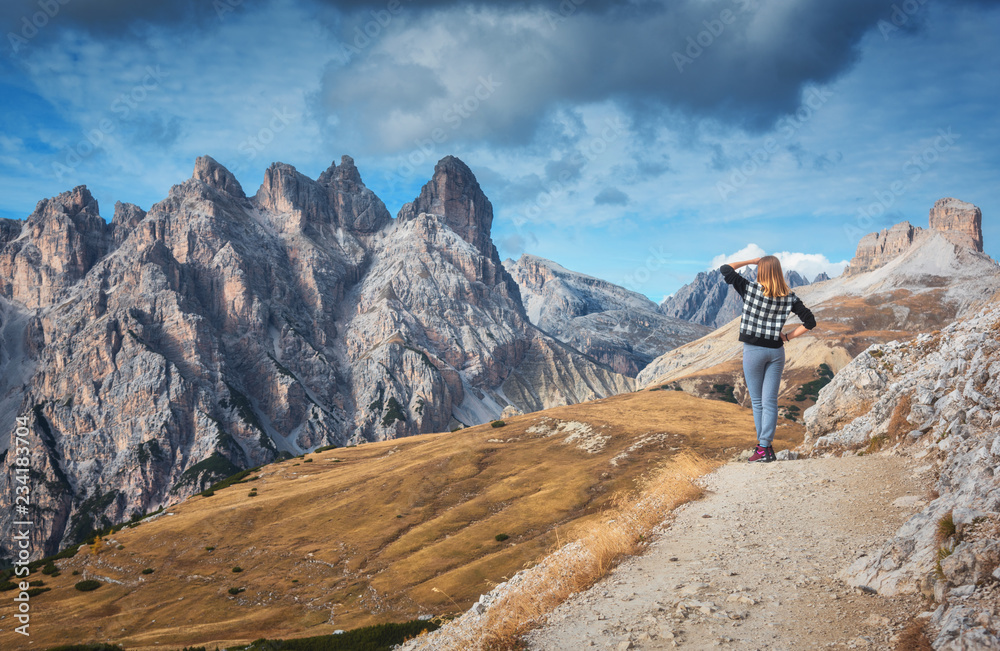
(709, 301)
(616, 326)
(161, 351)
(920, 287)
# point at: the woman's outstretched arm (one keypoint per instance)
(737, 265)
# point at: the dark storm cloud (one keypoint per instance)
(101, 16)
(419, 71)
(743, 62)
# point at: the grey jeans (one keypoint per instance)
(762, 369)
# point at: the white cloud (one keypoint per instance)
(809, 265)
(748, 252)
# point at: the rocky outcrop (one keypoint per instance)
(876, 249)
(127, 216)
(618, 327)
(937, 398)
(58, 244)
(453, 191)
(959, 221)
(161, 352)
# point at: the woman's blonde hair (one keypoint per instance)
(771, 278)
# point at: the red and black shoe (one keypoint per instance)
(771, 456)
(762, 455)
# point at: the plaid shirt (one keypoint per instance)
(763, 316)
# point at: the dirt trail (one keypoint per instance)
(753, 565)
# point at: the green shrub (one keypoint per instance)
(148, 570)
(497, 423)
(237, 569)
(207, 493)
(393, 412)
(811, 389)
(87, 585)
(34, 592)
(236, 591)
(500, 537)
(209, 548)
(50, 569)
(726, 392)
(307, 460)
(325, 448)
(7, 585)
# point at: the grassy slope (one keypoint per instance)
(390, 531)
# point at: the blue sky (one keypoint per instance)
(634, 141)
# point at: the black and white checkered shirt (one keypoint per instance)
(763, 316)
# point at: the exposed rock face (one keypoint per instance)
(936, 398)
(10, 229)
(161, 352)
(618, 327)
(454, 191)
(960, 222)
(59, 244)
(127, 217)
(876, 249)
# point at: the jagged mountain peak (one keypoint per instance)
(454, 194)
(70, 204)
(346, 172)
(127, 216)
(338, 197)
(215, 175)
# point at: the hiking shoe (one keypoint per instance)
(771, 456)
(760, 455)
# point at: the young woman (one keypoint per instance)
(766, 305)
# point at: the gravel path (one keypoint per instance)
(753, 565)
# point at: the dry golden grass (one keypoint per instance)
(899, 426)
(620, 533)
(380, 532)
(913, 638)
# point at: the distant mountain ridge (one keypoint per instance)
(614, 325)
(708, 300)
